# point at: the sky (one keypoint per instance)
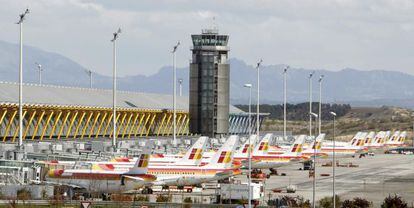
(312, 34)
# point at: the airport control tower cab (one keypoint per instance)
(209, 84)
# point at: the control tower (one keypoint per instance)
(209, 84)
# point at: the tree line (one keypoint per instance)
(300, 111)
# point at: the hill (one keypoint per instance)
(356, 119)
(360, 88)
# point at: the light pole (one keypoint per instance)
(39, 69)
(284, 100)
(174, 94)
(20, 22)
(333, 160)
(114, 135)
(320, 104)
(314, 165)
(310, 103)
(249, 149)
(180, 87)
(89, 72)
(258, 99)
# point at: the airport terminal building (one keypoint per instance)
(57, 112)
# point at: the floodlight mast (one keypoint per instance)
(310, 103)
(114, 134)
(249, 154)
(89, 72)
(180, 87)
(174, 94)
(284, 100)
(333, 160)
(20, 22)
(314, 164)
(258, 99)
(320, 104)
(39, 69)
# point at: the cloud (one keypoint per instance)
(329, 34)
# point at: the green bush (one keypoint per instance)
(327, 202)
(394, 202)
(23, 194)
(141, 198)
(162, 198)
(356, 203)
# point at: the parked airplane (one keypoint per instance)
(379, 140)
(397, 139)
(220, 167)
(243, 150)
(104, 178)
(393, 139)
(315, 147)
(192, 157)
(369, 138)
(261, 159)
(351, 148)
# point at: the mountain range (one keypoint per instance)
(357, 87)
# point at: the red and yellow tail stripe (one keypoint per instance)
(264, 146)
(225, 157)
(195, 154)
(143, 161)
(297, 148)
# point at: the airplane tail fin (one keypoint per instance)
(297, 146)
(359, 139)
(317, 144)
(263, 145)
(224, 156)
(369, 138)
(141, 165)
(401, 137)
(394, 137)
(194, 155)
(243, 150)
(379, 138)
(355, 139)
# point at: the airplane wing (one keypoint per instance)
(134, 178)
(56, 184)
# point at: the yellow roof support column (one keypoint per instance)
(127, 124)
(133, 125)
(116, 121)
(170, 128)
(178, 123)
(161, 124)
(167, 125)
(79, 124)
(152, 122)
(16, 131)
(94, 124)
(39, 121)
(28, 123)
(186, 126)
(72, 121)
(46, 125)
(182, 125)
(108, 123)
(145, 124)
(100, 125)
(3, 115)
(62, 126)
(9, 124)
(55, 124)
(139, 124)
(86, 124)
(121, 123)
